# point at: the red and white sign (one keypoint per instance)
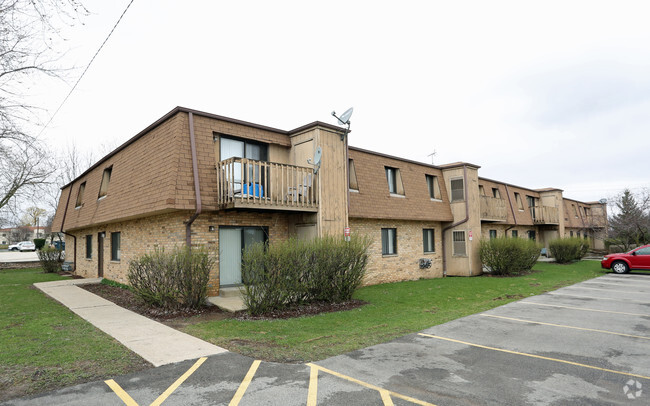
(346, 231)
(470, 235)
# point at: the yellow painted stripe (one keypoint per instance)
(371, 386)
(598, 298)
(128, 400)
(619, 284)
(312, 395)
(244, 384)
(178, 382)
(612, 290)
(565, 326)
(587, 309)
(535, 356)
(385, 397)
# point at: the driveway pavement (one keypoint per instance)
(587, 344)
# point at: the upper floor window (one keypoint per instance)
(106, 178)
(481, 190)
(575, 210)
(434, 187)
(353, 185)
(236, 148)
(394, 181)
(80, 195)
(495, 193)
(457, 190)
(520, 203)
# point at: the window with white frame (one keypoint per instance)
(457, 190)
(460, 247)
(389, 241)
(428, 240)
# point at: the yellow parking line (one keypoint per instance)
(535, 356)
(587, 309)
(244, 384)
(598, 298)
(178, 382)
(121, 393)
(312, 395)
(565, 326)
(385, 397)
(371, 386)
(612, 290)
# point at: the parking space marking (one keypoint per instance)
(128, 400)
(610, 290)
(384, 393)
(535, 356)
(587, 309)
(312, 395)
(621, 284)
(244, 384)
(565, 326)
(598, 298)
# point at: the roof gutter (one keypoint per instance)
(74, 238)
(444, 253)
(197, 187)
(512, 209)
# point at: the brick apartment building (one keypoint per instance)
(200, 179)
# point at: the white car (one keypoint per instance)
(23, 246)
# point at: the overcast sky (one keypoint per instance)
(544, 94)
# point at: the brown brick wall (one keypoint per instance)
(405, 265)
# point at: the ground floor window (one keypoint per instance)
(531, 235)
(570, 233)
(493, 234)
(459, 243)
(515, 233)
(428, 240)
(389, 241)
(116, 246)
(89, 247)
(232, 242)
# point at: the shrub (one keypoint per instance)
(51, 259)
(508, 256)
(172, 280)
(39, 243)
(325, 269)
(565, 250)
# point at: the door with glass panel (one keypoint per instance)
(251, 173)
(232, 242)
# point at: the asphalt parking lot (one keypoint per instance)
(587, 344)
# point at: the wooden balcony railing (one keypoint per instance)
(247, 183)
(545, 215)
(493, 209)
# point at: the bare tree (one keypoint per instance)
(70, 164)
(28, 31)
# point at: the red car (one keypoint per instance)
(638, 258)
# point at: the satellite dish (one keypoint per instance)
(316, 162)
(602, 201)
(345, 117)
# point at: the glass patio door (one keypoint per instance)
(232, 242)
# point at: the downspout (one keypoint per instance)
(512, 209)
(197, 187)
(74, 238)
(444, 256)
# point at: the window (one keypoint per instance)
(434, 187)
(515, 233)
(391, 177)
(531, 235)
(493, 234)
(495, 193)
(459, 243)
(531, 204)
(586, 235)
(428, 240)
(106, 178)
(80, 195)
(457, 190)
(520, 203)
(89, 247)
(587, 211)
(115, 246)
(481, 190)
(234, 148)
(571, 233)
(578, 234)
(353, 176)
(389, 241)
(575, 210)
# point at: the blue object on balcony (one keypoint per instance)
(254, 189)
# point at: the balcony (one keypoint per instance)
(545, 215)
(250, 184)
(493, 209)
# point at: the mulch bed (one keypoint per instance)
(309, 309)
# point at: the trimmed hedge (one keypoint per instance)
(50, 259)
(325, 269)
(565, 250)
(39, 243)
(172, 280)
(508, 256)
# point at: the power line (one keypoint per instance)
(85, 70)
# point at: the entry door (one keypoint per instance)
(232, 242)
(100, 254)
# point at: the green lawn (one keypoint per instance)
(394, 310)
(44, 346)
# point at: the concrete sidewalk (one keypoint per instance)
(153, 341)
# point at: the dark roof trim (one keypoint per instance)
(396, 158)
(511, 185)
(180, 109)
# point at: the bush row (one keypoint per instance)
(172, 280)
(325, 269)
(50, 259)
(568, 249)
(508, 256)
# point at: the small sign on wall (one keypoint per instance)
(470, 235)
(346, 233)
